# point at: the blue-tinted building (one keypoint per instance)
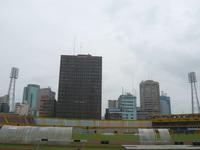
(31, 98)
(127, 106)
(165, 105)
(113, 114)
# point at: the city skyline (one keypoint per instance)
(137, 40)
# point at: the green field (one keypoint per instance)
(74, 147)
(129, 137)
(185, 137)
(97, 137)
(115, 137)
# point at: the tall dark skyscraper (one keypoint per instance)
(149, 98)
(80, 87)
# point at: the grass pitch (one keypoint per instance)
(98, 138)
(42, 147)
(185, 137)
(131, 137)
(115, 137)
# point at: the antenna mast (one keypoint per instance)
(74, 47)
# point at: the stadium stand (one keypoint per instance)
(176, 122)
(2, 121)
(183, 123)
(14, 119)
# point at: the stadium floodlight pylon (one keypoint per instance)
(11, 90)
(194, 95)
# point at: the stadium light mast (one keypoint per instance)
(11, 90)
(192, 80)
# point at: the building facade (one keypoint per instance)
(165, 105)
(149, 98)
(4, 108)
(141, 115)
(112, 104)
(113, 112)
(47, 103)
(4, 104)
(21, 109)
(4, 99)
(127, 106)
(31, 98)
(17, 108)
(80, 87)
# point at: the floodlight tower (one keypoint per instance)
(192, 81)
(11, 90)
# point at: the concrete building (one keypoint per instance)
(17, 108)
(4, 104)
(127, 106)
(113, 114)
(141, 115)
(4, 108)
(21, 109)
(31, 98)
(4, 99)
(165, 105)
(47, 103)
(80, 87)
(112, 104)
(149, 98)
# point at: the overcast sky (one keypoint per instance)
(138, 40)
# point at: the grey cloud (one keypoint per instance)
(164, 37)
(137, 39)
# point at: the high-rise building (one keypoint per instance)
(127, 105)
(149, 98)
(80, 87)
(165, 105)
(47, 103)
(31, 98)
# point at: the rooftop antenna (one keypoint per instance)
(148, 75)
(81, 46)
(133, 89)
(122, 90)
(74, 48)
(11, 90)
(192, 80)
(162, 93)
